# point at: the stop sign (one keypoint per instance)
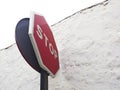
(44, 44)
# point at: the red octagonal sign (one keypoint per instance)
(44, 44)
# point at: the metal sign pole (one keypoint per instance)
(44, 80)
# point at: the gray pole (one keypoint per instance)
(44, 80)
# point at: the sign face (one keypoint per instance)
(44, 44)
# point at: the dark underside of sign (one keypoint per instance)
(24, 44)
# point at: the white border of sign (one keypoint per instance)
(31, 26)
